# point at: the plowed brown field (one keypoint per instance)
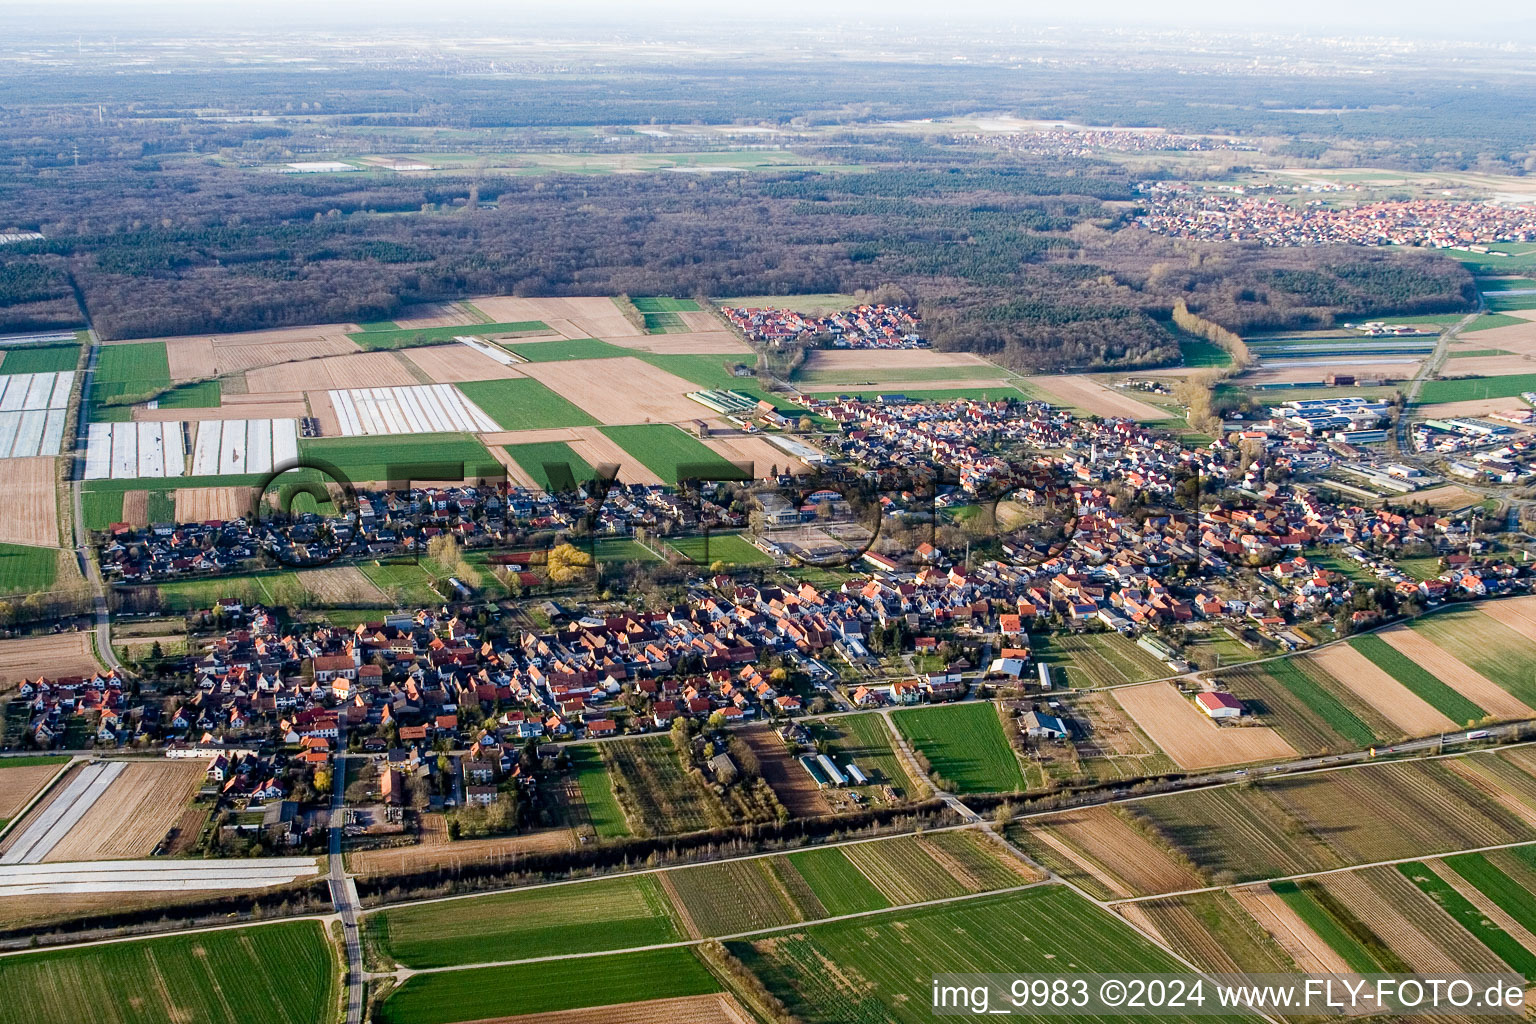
(450, 364)
(1438, 662)
(1391, 699)
(623, 390)
(1189, 737)
(62, 654)
(28, 508)
(134, 813)
(718, 1008)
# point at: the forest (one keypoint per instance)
(166, 227)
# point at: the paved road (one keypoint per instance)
(344, 891)
(88, 568)
(1428, 368)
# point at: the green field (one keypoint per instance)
(32, 761)
(866, 741)
(1488, 321)
(602, 809)
(364, 459)
(1488, 646)
(1199, 352)
(1505, 946)
(1520, 259)
(27, 569)
(394, 337)
(965, 744)
(729, 548)
(660, 313)
(1513, 898)
(622, 549)
(137, 369)
(522, 403)
(40, 359)
(1505, 284)
(1464, 389)
(407, 583)
(206, 394)
(840, 886)
(533, 458)
(880, 969)
(490, 992)
(664, 304)
(669, 452)
(268, 974)
(1504, 303)
(1416, 678)
(820, 304)
(201, 594)
(1476, 353)
(566, 350)
(905, 375)
(583, 917)
(1334, 925)
(1332, 718)
(101, 506)
(1019, 392)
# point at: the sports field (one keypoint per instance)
(491, 992)
(391, 337)
(268, 974)
(522, 403)
(881, 968)
(669, 452)
(27, 570)
(584, 917)
(965, 745)
(729, 548)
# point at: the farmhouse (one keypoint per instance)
(1037, 725)
(1218, 704)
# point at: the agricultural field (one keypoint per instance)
(491, 992)
(1446, 891)
(27, 570)
(282, 973)
(1213, 931)
(1107, 745)
(40, 359)
(1487, 646)
(1506, 886)
(567, 349)
(522, 403)
(884, 964)
(965, 745)
(840, 886)
(1466, 389)
(581, 917)
(403, 583)
(1199, 353)
(788, 779)
(1332, 819)
(134, 814)
(1107, 853)
(739, 896)
(127, 370)
(601, 808)
(21, 778)
(660, 313)
(866, 741)
(658, 796)
(730, 548)
(364, 459)
(534, 457)
(389, 336)
(1306, 706)
(63, 653)
(1107, 659)
(819, 304)
(1345, 935)
(1193, 740)
(1425, 686)
(669, 452)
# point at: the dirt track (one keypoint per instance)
(28, 509)
(1189, 737)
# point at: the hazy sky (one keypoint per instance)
(1483, 20)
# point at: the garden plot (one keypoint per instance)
(151, 875)
(232, 447)
(132, 451)
(422, 409)
(33, 407)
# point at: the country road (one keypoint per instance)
(83, 554)
(344, 890)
